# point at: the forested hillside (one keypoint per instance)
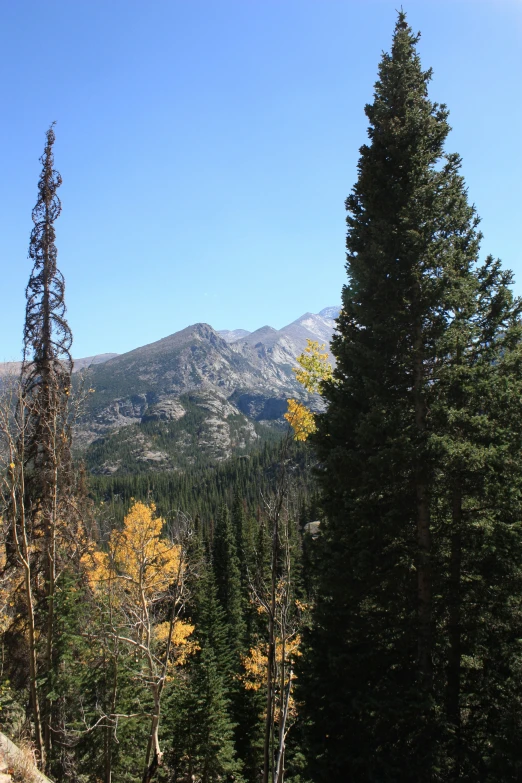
(201, 491)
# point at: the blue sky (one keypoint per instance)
(207, 146)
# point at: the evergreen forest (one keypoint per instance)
(342, 602)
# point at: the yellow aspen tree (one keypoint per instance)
(314, 368)
(137, 581)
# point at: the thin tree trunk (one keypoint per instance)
(153, 746)
(455, 631)
(109, 730)
(157, 689)
(281, 716)
(280, 769)
(50, 589)
(33, 665)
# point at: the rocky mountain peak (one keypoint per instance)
(195, 394)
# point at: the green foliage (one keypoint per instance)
(231, 576)
(199, 711)
(225, 563)
(202, 732)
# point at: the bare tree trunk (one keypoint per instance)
(153, 745)
(280, 719)
(157, 689)
(269, 722)
(455, 630)
(275, 518)
(50, 574)
(22, 549)
(109, 730)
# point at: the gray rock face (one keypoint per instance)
(260, 407)
(330, 312)
(167, 410)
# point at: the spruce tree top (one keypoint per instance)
(412, 237)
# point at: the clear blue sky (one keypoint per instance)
(207, 146)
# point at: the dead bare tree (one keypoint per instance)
(275, 597)
(44, 410)
(39, 483)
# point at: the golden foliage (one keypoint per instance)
(136, 555)
(301, 419)
(314, 368)
(255, 664)
(180, 639)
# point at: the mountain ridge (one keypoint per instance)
(193, 397)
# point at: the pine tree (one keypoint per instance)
(228, 571)
(199, 710)
(419, 323)
(244, 530)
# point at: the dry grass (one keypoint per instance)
(21, 765)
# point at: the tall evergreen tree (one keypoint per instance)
(381, 676)
(227, 572)
(247, 704)
(477, 521)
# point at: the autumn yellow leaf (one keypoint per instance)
(314, 368)
(301, 419)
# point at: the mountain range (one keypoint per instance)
(196, 396)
